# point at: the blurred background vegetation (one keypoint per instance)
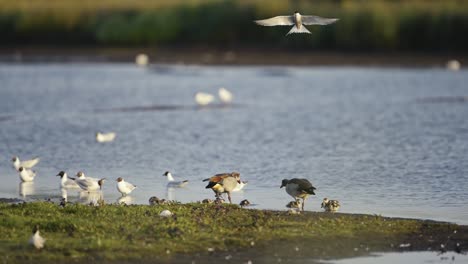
(365, 25)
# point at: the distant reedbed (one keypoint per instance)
(381, 25)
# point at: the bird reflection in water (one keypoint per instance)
(92, 198)
(170, 193)
(26, 189)
(125, 200)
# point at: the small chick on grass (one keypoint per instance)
(330, 205)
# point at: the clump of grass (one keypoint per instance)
(112, 232)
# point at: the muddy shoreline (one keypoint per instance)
(204, 233)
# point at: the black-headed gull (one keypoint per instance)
(105, 137)
(172, 182)
(66, 182)
(28, 164)
(124, 187)
(26, 175)
(297, 20)
(87, 183)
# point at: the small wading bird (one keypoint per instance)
(26, 175)
(28, 164)
(223, 183)
(173, 183)
(65, 182)
(124, 187)
(298, 188)
(330, 205)
(87, 183)
(36, 240)
(297, 20)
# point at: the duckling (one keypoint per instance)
(294, 204)
(207, 201)
(330, 205)
(244, 203)
(156, 201)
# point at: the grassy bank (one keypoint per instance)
(380, 25)
(112, 232)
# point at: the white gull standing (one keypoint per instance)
(172, 182)
(124, 187)
(87, 183)
(65, 182)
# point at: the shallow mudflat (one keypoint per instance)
(207, 232)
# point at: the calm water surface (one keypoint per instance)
(382, 141)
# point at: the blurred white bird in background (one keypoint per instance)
(105, 137)
(203, 99)
(224, 95)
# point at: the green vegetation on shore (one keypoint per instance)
(383, 25)
(118, 232)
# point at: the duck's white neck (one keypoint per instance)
(169, 177)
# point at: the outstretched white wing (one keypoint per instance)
(276, 21)
(29, 163)
(316, 20)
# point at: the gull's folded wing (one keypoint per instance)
(276, 21)
(316, 20)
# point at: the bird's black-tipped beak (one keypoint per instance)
(281, 186)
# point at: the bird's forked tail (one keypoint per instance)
(302, 29)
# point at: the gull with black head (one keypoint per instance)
(124, 187)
